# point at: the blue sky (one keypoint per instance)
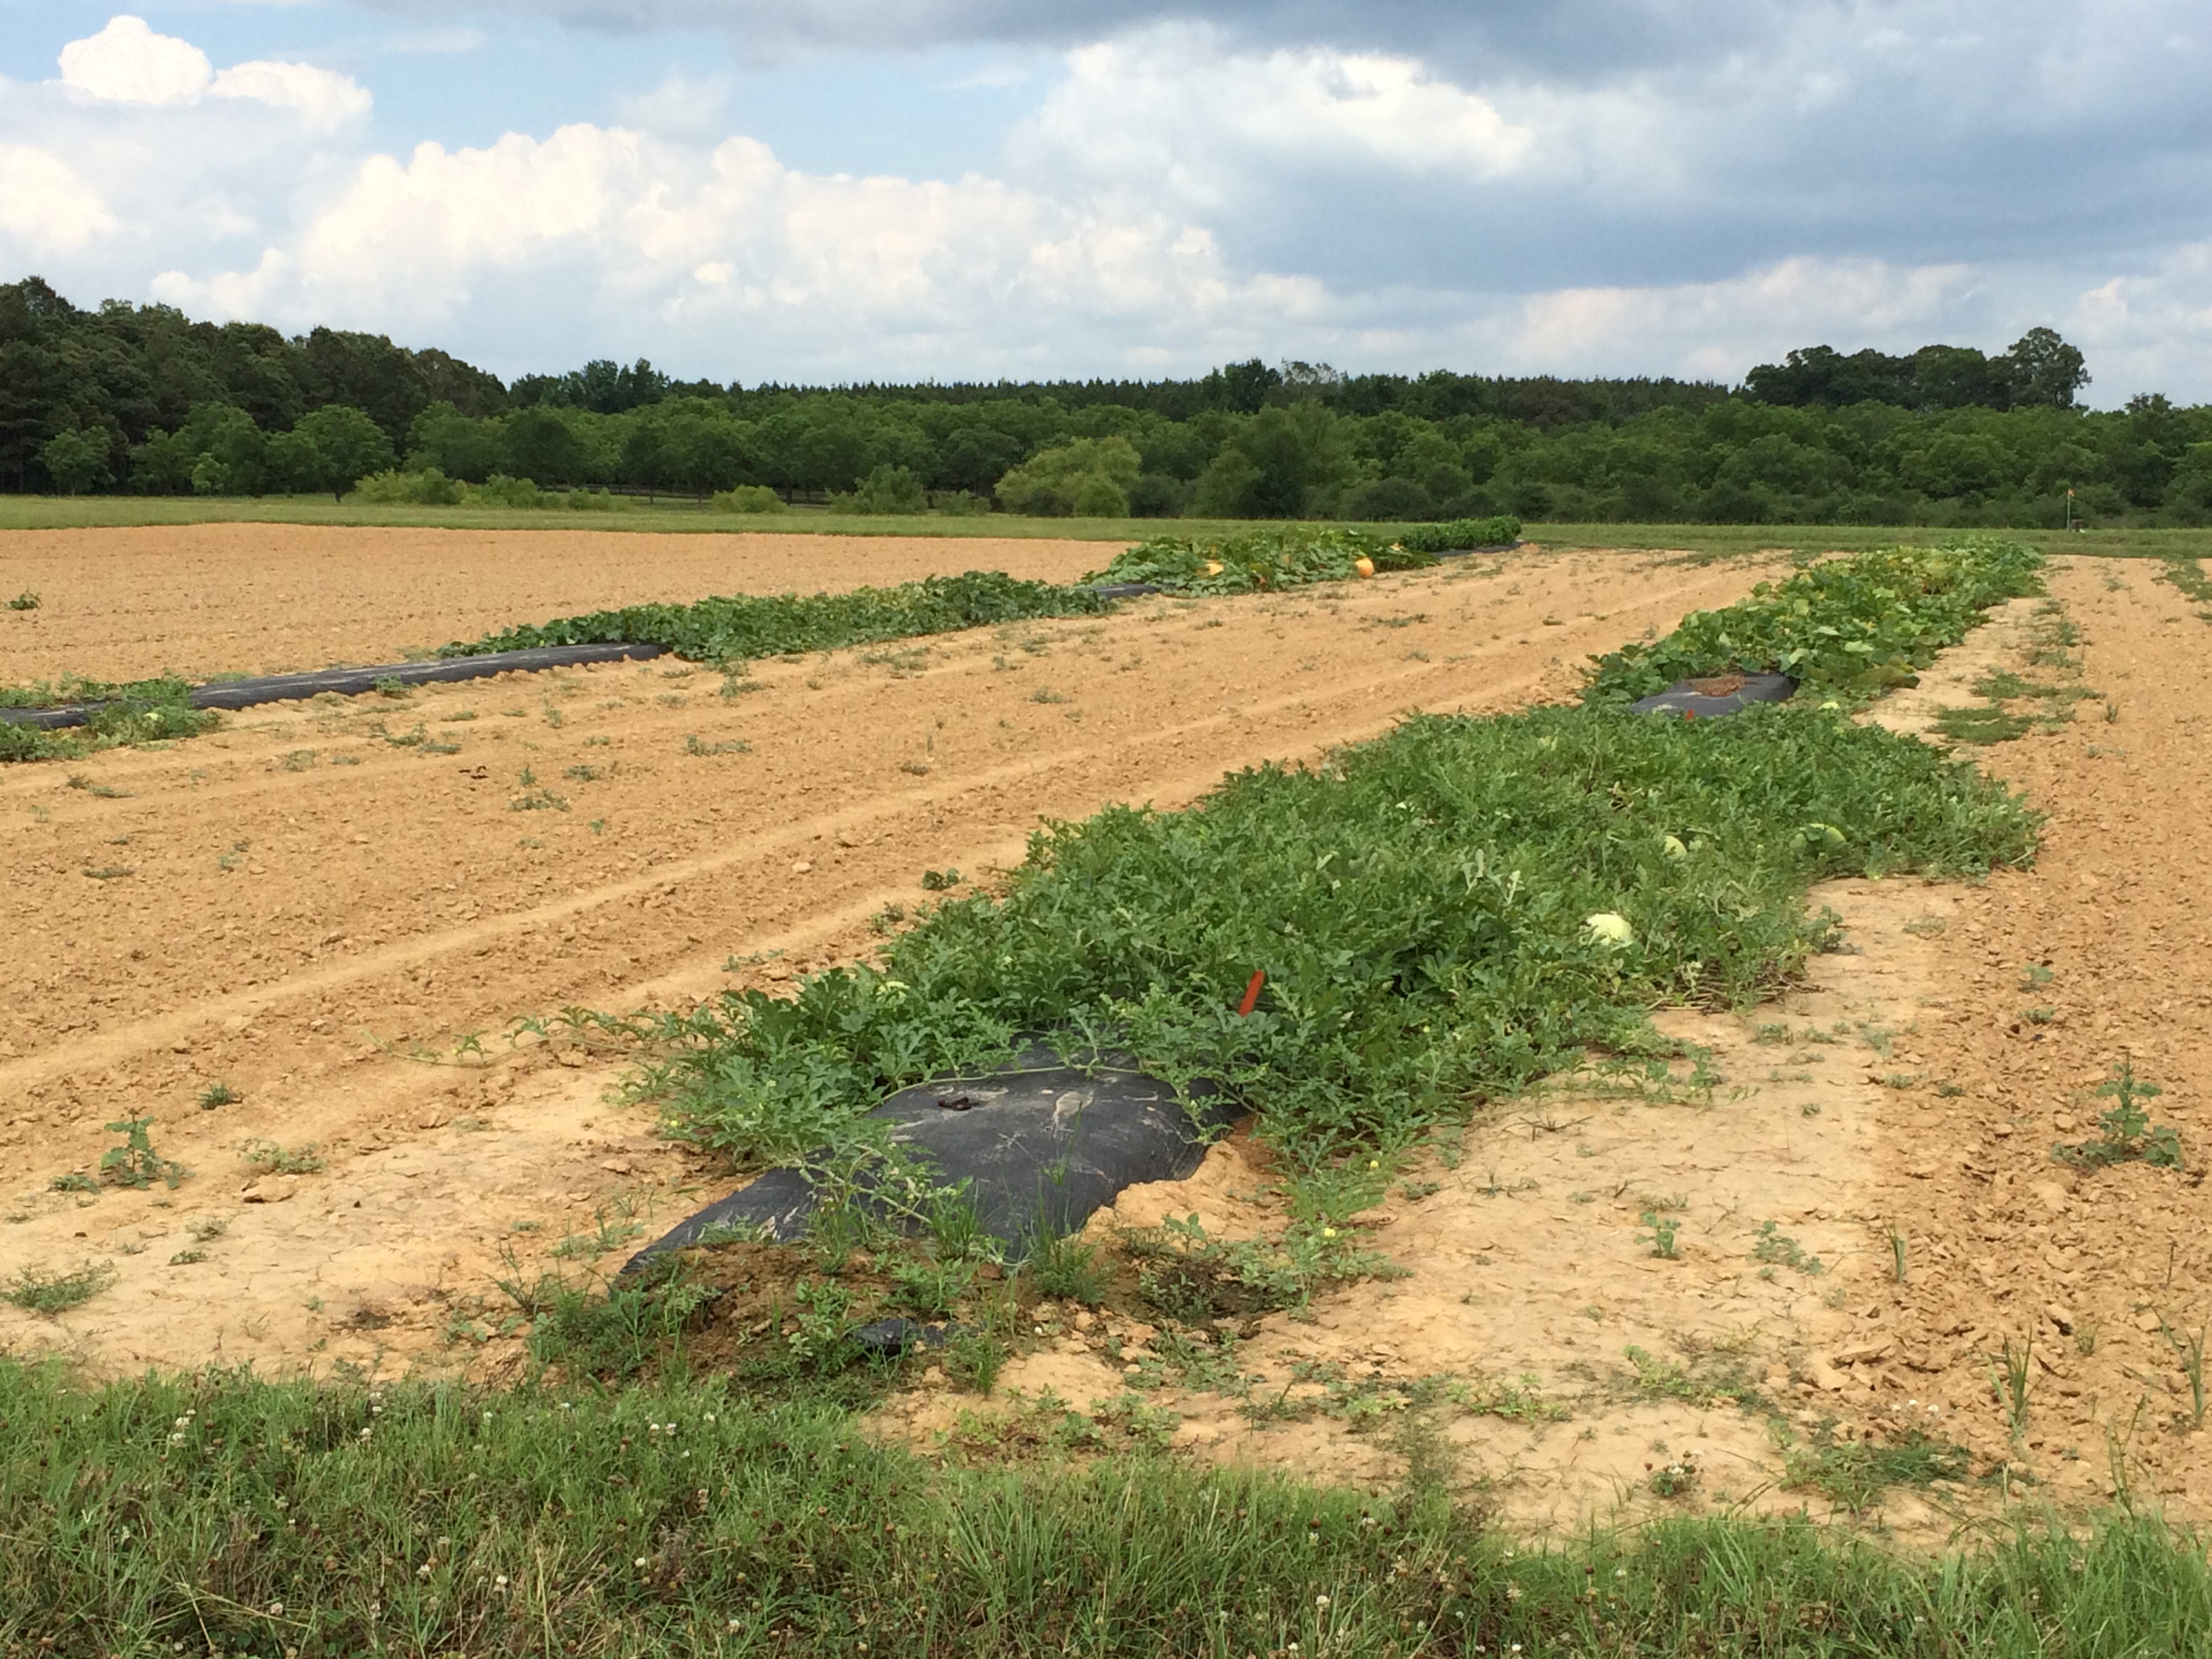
(800, 190)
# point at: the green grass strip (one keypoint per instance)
(1420, 907)
(221, 1513)
(1855, 625)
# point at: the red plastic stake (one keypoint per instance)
(1252, 994)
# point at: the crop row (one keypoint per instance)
(1855, 625)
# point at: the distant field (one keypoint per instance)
(681, 516)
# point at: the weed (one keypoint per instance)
(218, 1094)
(1045, 694)
(1980, 723)
(1898, 1246)
(938, 881)
(135, 1163)
(610, 1232)
(390, 685)
(886, 919)
(51, 1293)
(929, 1289)
(534, 797)
(267, 1157)
(974, 1358)
(1782, 1251)
(693, 745)
(2012, 1386)
(1661, 1238)
(300, 760)
(1770, 1034)
(75, 1182)
(615, 1331)
(109, 872)
(2190, 1350)
(1678, 1478)
(1664, 1379)
(1926, 927)
(25, 600)
(583, 774)
(206, 1228)
(1856, 1473)
(1063, 1268)
(2127, 1134)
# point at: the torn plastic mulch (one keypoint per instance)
(1711, 696)
(1041, 1145)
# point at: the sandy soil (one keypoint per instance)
(1905, 1092)
(253, 598)
(301, 882)
(294, 906)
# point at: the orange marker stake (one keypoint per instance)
(1252, 994)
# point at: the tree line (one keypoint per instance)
(140, 399)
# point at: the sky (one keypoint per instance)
(826, 191)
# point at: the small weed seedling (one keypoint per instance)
(938, 881)
(218, 1094)
(135, 1163)
(75, 1182)
(2019, 1364)
(1661, 1237)
(692, 746)
(2190, 1352)
(390, 685)
(54, 1293)
(267, 1157)
(1782, 1251)
(2127, 1134)
(25, 600)
(1896, 1251)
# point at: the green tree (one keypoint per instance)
(77, 460)
(333, 448)
(2045, 371)
(1088, 478)
(887, 488)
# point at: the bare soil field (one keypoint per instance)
(260, 598)
(293, 906)
(296, 905)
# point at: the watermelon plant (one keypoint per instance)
(1420, 907)
(1855, 626)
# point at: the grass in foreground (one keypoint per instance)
(221, 1513)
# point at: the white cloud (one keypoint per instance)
(2147, 330)
(1173, 110)
(323, 99)
(126, 63)
(45, 205)
(1719, 329)
(609, 227)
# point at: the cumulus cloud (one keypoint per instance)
(126, 63)
(1716, 330)
(323, 99)
(1175, 108)
(928, 273)
(45, 205)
